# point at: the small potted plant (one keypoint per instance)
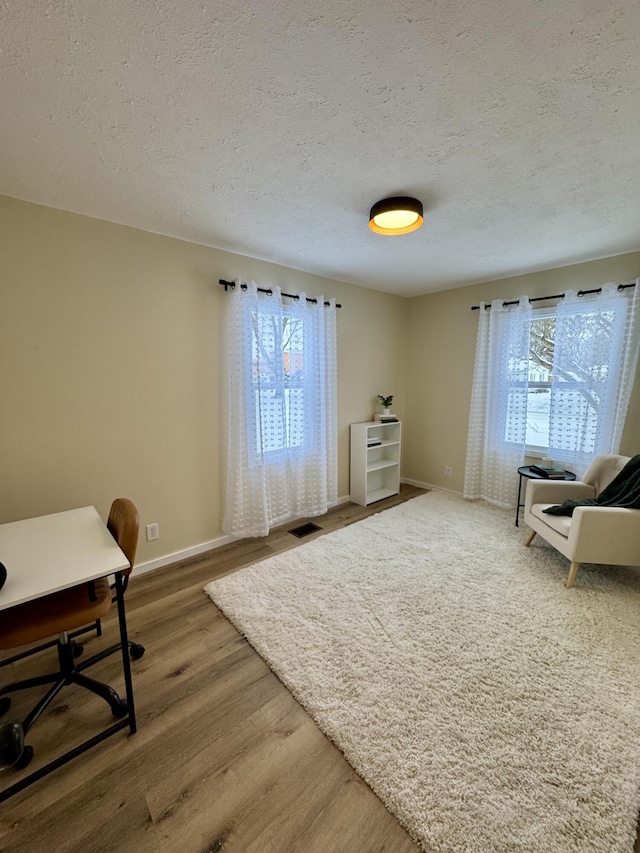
(386, 402)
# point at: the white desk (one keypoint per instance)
(54, 552)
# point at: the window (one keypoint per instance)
(566, 383)
(280, 364)
(558, 382)
(280, 402)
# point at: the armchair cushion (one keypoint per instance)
(622, 491)
(603, 470)
(560, 523)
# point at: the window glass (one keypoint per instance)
(541, 344)
(279, 403)
(576, 402)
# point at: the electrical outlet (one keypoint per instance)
(447, 471)
(153, 532)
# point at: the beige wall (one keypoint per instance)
(110, 368)
(442, 339)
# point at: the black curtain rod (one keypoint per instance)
(555, 296)
(228, 284)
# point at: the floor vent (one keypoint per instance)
(305, 529)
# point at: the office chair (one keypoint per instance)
(61, 613)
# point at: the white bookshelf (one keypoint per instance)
(375, 470)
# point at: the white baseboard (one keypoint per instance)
(429, 486)
(177, 556)
(160, 562)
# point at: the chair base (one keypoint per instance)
(11, 744)
(97, 626)
(13, 750)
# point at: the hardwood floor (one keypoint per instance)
(224, 758)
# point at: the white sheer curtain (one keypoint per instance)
(282, 410)
(595, 357)
(498, 416)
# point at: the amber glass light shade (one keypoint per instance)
(398, 215)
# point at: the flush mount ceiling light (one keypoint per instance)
(398, 215)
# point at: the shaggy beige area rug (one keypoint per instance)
(490, 708)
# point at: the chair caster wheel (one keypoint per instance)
(78, 649)
(5, 704)
(120, 708)
(136, 651)
(11, 744)
(25, 758)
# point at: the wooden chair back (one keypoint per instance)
(124, 524)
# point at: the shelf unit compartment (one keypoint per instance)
(380, 494)
(382, 480)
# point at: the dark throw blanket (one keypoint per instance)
(623, 490)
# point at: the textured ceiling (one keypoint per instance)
(269, 127)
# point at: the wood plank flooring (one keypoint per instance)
(224, 758)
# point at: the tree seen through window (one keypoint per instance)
(278, 365)
(577, 377)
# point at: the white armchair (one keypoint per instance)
(593, 534)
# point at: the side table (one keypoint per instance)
(527, 472)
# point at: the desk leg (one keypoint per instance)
(518, 504)
(124, 642)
